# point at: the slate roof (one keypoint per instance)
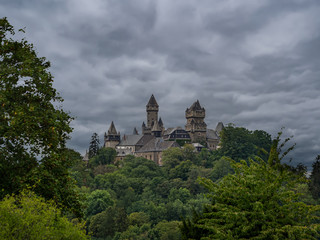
(130, 140)
(211, 134)
(219, 127)
(123, 152)
(171, 130)
(145, 139)
(157, 145)
(152, 101)
(135, 140)
(112, 130)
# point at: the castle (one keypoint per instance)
(155, 138)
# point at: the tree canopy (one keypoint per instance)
(259, 201)
(33, 130)
(27, 216)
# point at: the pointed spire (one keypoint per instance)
(160, 122)
(152, 101)
(135, 131)
(143, 125)
(112, 130)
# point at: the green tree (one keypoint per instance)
(314, 184)
(33, 131)
(168, 230)
(108, 222)
(221, 168)
(257, 202)
(27, 216)
(98, 201)
(94, 145)
(138, 218)
(240, 143)
(103, 157)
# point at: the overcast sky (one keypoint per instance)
(252, 63)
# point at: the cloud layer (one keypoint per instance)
(252, 63)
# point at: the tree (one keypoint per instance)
(98, 201)
(103, 157)
(33, 131)
(257, 202)
(108, 222)
(240, 143)
(221, 168)
(28, 216)
(94, 145)
(314, 184)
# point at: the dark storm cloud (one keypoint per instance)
(252, 63)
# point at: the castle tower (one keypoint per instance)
(112, 139)
(196, 127)
(152, 112)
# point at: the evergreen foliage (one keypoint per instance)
(94, 145)
(314, 184)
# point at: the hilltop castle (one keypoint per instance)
(155, 138)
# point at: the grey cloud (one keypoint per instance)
(253, 63)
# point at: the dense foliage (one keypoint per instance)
(33, 131)
(27, 216)
(138, 199)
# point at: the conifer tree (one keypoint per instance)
(94, 145)
(314, 184)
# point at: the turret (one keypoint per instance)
(112, 139)
(196, 127)
(152, 111)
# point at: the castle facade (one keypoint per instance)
(155, 138)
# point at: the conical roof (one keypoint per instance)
(135, 131)
(112, 129)
(160, 122)
(152, 101)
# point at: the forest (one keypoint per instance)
(243, 190)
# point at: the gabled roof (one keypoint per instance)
(171, 130)
(211, 134)
(158, 145)
(145, 139)
(112, 129)
(152, 101)
(219, 127)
